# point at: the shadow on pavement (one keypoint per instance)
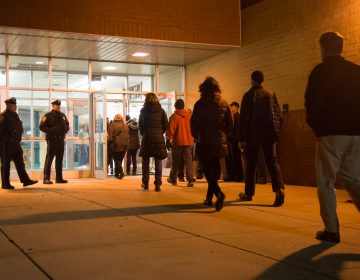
(309, 260)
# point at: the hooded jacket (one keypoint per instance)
(134, 140)
(179, 132)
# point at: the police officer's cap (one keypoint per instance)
(11, 100)
(56, 102)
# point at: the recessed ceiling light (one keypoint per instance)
(111, 68)
(39, 62)
(140, 54)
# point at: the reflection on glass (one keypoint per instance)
(99, 156)
(26, 146)
(20, 93)
(140, 83)
(79, 110)
(40, 79)
(2, 71)
(40, 108)
(59, 80)
(20, 78)
(24, 111)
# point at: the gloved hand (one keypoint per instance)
(168, 145)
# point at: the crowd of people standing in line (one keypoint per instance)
(215, 130)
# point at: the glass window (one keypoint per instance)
(140, 83)
(171, 78)
(135, 104)
(40, 108)
(78, 111)
(70, 73)
(39, 154)
(79, 95)
(41, 94)
(59, 95)
(40, 79)
(24, 111)
(26, 71)
(115, 82)
(114, 107)
(20, 78)
(20, 93)
(2, 71)
(26, 146)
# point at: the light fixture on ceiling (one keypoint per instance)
(110, 68)
(140, 54)
(39, 62)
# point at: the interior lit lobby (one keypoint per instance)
(100, 58)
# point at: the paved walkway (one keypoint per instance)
(111, 229)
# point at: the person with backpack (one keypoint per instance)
(260, 120)
(119, 137)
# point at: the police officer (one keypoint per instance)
(55, 125)
(11, 130)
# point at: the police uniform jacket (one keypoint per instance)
(55, 125)
(11, 128)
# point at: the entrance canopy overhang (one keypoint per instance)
(17, 41)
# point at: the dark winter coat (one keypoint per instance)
(134, 141)
(332, 98)
(153, 123)
(211, 125)
(55, 125)
(259, 115)
(11, 128)
(118, 136)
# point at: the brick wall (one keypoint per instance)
(281, 38)
(200, 21)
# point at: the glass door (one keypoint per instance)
(100, 135)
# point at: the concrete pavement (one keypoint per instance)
(111, 229)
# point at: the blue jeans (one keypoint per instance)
(146, 171)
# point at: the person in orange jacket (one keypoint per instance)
(179, 138)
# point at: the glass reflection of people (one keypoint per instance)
(83, 148)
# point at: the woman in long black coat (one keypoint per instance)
(153, 123)
(211, 125)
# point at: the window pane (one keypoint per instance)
(20, 78)
(39, 154)
(78, 81)
(59, 80)
(171, 78)
(41, 94)
(79, 109)
(26, 146)
(24, 111)
(113, 108)
(40, 79)
(140, 83)
(20, 93)
(59, 95)
(71, 74)
(27, 71)
(40, 108)
(80, 95)
(2, 71)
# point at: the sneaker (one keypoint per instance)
(324, 235)
(190, 184)
(279, 198)
(219, 201)
(157, 188)
(244, 197)
(171, 182)
(207, 202)
(30, 182)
